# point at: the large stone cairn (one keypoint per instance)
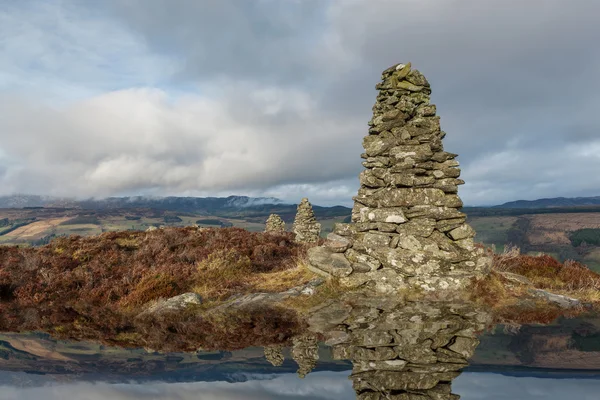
(406, 227)
(306, 227)
(401, 350)
(275, 224)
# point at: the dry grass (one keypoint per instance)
(546, 272)
(92, 286)
(222, 274)
(511, 301)
(331, 289)
(35, 228)
(280, 281)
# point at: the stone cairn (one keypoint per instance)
(398, 349)
(406, 227)
(306, 227)
(275, 224)
(274, 355)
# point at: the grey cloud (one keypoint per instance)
(486, 386)
(316, 386)
(267, 41)
(292, 83)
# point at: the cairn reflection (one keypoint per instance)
(398, 349)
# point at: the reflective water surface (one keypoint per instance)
(356, 347)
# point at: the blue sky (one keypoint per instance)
(272, 98)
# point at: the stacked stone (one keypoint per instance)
(275, 224)
(401, 350)
(305, 352)
(406, 227)
(274, 355)
(306, 227)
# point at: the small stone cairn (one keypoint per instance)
(406, 227)
(306, 227)
(275, 224)
(305, 352)
(274, 355)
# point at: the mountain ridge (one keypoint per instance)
(552, 202)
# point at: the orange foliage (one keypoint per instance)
(546, 272)
(92, 286)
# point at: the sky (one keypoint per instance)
(316, 386)
(272, 97)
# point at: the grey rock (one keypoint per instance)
(516, 278)
(337, 243)
(558, 299)
(177, 303)
(326, 260)
(464, 346)
(462, 232)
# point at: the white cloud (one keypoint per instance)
(316, 386)
(486, 386)
(227, 97)
(138, 139)
(65, 50)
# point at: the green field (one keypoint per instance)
(492, 230)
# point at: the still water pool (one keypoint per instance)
(364, 349)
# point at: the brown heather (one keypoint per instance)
(511, 302)
(92, 287)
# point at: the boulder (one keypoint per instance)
(337, 243)
(324, 259)
(177, 303)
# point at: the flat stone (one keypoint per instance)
(373, 354)
(344, 229)
(418, 227)
(404, 197)
(373, 240)
(437, 213)
(356, 257)
(391, 380)
(558, 299)
(329, 317)
(336, 337)
(411, 263)
(337, 243)
(440, 283)
(332, 263)
(420, 353)
(464, 346)
(417, 153)
(383, 281)
(386, 365)
(177, 303)
(462, 232)
(386, 214)
(446, 225)
(516, 278)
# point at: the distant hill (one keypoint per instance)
(26, 200)
(552, 202)
(232, 206)
(163, 203)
